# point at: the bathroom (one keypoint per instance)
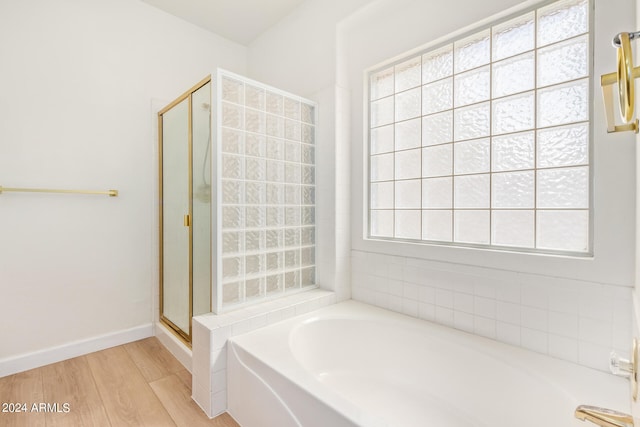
(78, 274)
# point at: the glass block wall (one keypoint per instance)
(267, 192)
(484, 141)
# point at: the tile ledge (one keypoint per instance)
(213, 321)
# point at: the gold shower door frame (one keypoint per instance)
(186, 337)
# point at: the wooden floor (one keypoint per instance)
(137, 384)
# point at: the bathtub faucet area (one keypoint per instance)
(603, 417)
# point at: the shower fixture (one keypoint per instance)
(203, 191)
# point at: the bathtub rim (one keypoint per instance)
(612, 393)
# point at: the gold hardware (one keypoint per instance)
(110, 193)
(624, 77)
(634, 369)
(184, 335)
(603, 417)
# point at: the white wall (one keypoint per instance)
(299, 55)
(77, 82)
(614, 194)
(573, 308)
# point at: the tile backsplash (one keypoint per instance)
(573, 320)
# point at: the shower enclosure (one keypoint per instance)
(184, 129)
(237, 198)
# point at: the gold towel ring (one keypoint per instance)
(626, 87)
(624, 78)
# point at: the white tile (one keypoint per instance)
(274, 316)
(622, 338)
(485, 287)
(462, 283)
(622, 323)
(508, 312)
(463, 321)
(427, 311)
(595, 303)
(363, 295)
(415, 275)
(358, 265)
(595, 331)
(200, 362)
(219, 337)
(427, 295)
(534, 340)
(463, 302)
(288, 312)
(411, 291)
(396, 287)
(202, 397)
(534, 318)
(508, 333)
(258, 321)
(382, 300)
(594, 356)
(620, 292)
(240, 327)
(303, 308)
(219, 381)
(485, 307)
(396, 271)
(395, 303)
(508, 292)
(535, 295)
(563, 324)
(219, 359)
(444, 298)
(358, 254)
(218, 402)
(564, 298)
(444, 316)
(563, 348)
(485, 327)
(380, 284)
(367, 281)
(410, 307)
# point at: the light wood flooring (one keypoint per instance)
(136, 384)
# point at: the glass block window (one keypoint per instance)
(267, 194)
(485, 141)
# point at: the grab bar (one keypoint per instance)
(110, 193)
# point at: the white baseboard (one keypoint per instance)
(176, 347)
(24, 362)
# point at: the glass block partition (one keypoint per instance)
(485, 140)
(266, 200)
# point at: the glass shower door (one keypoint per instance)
(184, 128)
(176, 250)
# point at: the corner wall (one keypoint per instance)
(299, 55)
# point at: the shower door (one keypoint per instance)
(184, 129)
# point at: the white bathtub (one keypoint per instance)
(352, 364)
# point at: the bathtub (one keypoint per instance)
(352, 364)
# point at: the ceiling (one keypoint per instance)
(239, 20)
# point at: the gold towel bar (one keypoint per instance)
(110, 193)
